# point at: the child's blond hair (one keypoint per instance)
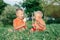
(39, 12)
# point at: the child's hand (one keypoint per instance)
(37, 27)
(24, 19)
(33, 25)
(21, 25)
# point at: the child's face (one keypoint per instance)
(38, 15)
(20, 14)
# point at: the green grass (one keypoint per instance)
(51, 33)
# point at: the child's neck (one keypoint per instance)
(19, 18)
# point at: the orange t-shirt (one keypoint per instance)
(17, 23)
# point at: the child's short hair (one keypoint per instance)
(40, 12)
(19, 9)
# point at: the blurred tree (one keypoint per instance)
(8, 15)
(31, 6)
(51, 8)
(55, 12)
(2, 5)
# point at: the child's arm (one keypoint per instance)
(41, 23)
(18, 27)
(25, 20)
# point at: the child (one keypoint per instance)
(19, 23)
(39, 24)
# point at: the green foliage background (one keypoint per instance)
(2, 5)
(31, 6)
(7, 12)
(8, 15)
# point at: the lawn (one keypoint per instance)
(51, 33)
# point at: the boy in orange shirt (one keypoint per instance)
(19, 23)
(39, 24)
